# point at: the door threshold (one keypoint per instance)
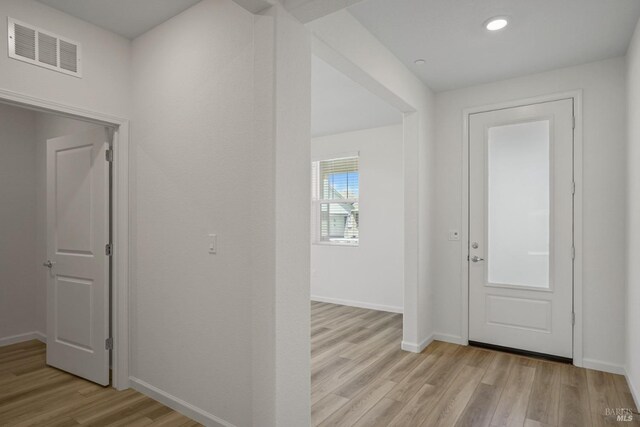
(533, 354)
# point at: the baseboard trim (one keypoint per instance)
(453, 339)
(27, 336)
(633, 389)
(41, 337)
(416, 347)
(187, 409)
(603, 366)
(370, 306)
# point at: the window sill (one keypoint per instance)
(341, 244)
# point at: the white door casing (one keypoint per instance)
(521, 227)
(77, 235)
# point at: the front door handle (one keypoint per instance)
(476, 258)
(48, 264)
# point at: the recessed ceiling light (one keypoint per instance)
(419, 61)
(496, 23)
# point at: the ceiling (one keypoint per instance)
(129, 18)
(542, 35)
(338, 104)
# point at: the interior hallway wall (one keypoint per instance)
(632, 336)
(18, 260)
(604, 141)
(291, 107)
(220, 137)
(371, 274)
(192, 135)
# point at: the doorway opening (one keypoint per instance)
(357, 233)
(68, 172)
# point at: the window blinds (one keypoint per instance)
(336, 191)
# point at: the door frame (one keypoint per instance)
(576, 96)
(120, 262)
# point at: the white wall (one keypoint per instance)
(105, 84)
(263, 399)
(280, 222)
(371, 274)
(18, 258)
(633, 218)
(221, 148)
(292, 129)
(46, 126)
(604, 198)
(192, 132)
(358, 54)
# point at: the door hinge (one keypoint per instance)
(573, 188)
(108, 343)
(109, 155)
(573, 252)
(108, 249)
(574, 122)
(573, 318)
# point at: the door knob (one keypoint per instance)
(476, 258)
(48, 264)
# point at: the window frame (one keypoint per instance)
(316, 202)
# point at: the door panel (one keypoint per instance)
(73, 200)
(77, 233)
(525, 313)
(521, 227)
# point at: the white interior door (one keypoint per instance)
(521, 228)
(77, 234)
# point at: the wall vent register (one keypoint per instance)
(39, 47)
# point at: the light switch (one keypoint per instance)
(213, 244)
(454, 235)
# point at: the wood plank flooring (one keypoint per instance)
(360, 377)
(33, 394)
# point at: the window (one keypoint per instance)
(335, 192)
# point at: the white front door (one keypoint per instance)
(521, 228)
(77, 234)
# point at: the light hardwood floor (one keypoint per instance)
(360, 377)
(33, 394)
